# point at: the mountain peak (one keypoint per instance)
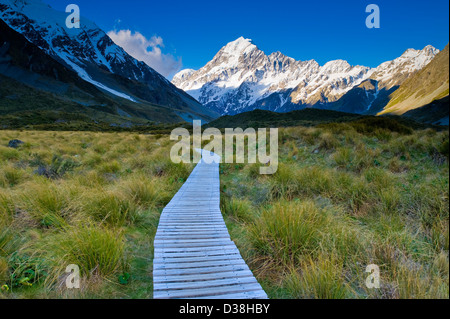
(430, 50)
(336, 66)
(239, 46)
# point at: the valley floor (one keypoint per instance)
(345, 196)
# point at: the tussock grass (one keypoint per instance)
(91, 199)
(47, 203)
(348, 195)
(109, 207)
(345, 196)
(318, 279)
(7, 208)
(95, 249)
(284, 183)
(11, 176)
(286, 231)
(146, 192)
(240, 210)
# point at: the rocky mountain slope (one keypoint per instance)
(241, 78)
(427, 85)
(30, 80)
(93, 57)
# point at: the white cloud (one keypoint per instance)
(147, 50)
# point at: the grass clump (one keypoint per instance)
(240, 210)
(318, 279)
(287, 231)
(95, 249)
(109, 207)
(46, 203)
(146, 192)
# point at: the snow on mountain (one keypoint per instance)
(92, 54)
(393, 72)
(77, 48)
(241, 77)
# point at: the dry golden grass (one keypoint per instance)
(91, 199)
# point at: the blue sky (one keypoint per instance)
(193, 31)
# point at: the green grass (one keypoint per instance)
(86, 198)
(345, 196)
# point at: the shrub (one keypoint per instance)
(26, 270)
(165, 167)
(389, 201)
(5, 241)
(379, 177)
(354, 192)
(253, 170)
(57, 168)
(374, 125)
(443, 148)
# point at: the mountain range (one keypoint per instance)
(51, 73)
(242, 78)
(81, 70)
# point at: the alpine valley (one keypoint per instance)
(53, 74)
(79, 73)
(243, 78)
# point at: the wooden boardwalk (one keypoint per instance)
(194, 255)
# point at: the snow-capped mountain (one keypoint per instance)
(241, 78)
(91, 53)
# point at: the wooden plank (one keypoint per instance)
(199, 264)
(190, 230)
(187, 237)
(197, 246)
(161, 249)
(205, 283)
(257, 294)
(201, 270)
(200, 277)
(194, 254)
(191, 220)
(203, 292)
(192, 223)
(192, 239)
(187, 232)
(180, 260)
(192, 236)
(181, 229)
(187, 242)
